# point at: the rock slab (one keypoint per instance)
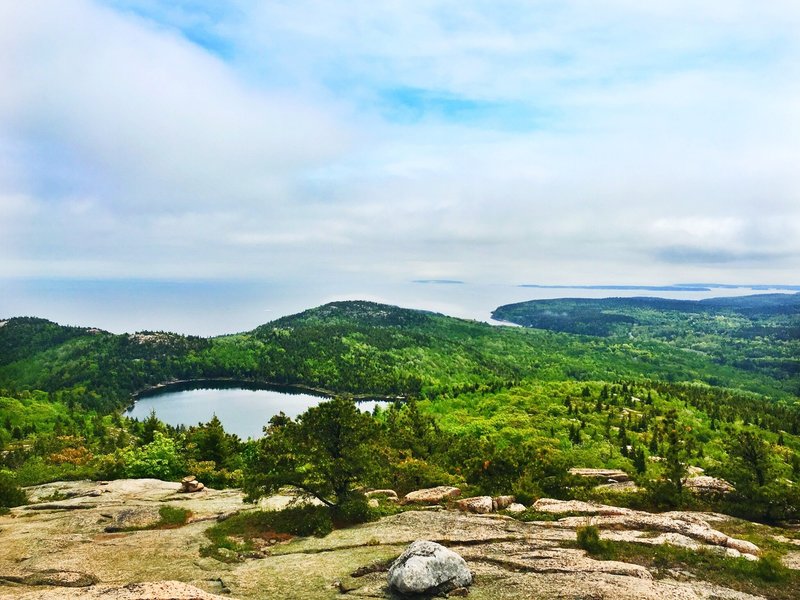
(480, 505)
(428, 568)
(432, 495)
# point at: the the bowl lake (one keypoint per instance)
(241, 410)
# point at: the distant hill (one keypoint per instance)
(360, 347)
(759, 333)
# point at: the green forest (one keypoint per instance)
(653, 387)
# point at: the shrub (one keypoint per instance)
(352, 510)
(414, 474)
(589, 539)
(10, 492)
(160, 459)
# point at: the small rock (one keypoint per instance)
(516, 508)
(502, 502)
(189, 485)
(432, 495)
(428, 568)
(479, 504)
(373, 503)
(389, 495)
(227, 554)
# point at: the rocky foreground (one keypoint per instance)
(75, 541)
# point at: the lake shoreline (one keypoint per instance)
(255, 384)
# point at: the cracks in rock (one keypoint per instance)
(54, 578)
(444, 542)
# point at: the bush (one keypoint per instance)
(10, 493)
(414, 474)
(160, 459)
(589, 539)
(352, 510)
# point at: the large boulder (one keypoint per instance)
(428, 568)
(479, 504)
(432, 495)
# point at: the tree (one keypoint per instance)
(675, 468)
(751, 453)
(328, 451)
(212, 442)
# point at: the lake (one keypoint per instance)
(242, 411)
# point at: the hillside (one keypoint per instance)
(368, 348)
(757, 334)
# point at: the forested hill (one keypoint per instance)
(353, 347)
(760, 333)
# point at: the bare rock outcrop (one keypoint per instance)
(43, 551)
(479, 504)
(432, 495)
(549, 505)
(703, 484)
(155, 590)
(606, 475)
(694, 526)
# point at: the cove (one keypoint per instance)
(243, 409)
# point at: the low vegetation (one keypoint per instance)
(249, 531)
(765, 577)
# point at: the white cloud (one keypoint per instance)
(513, 141)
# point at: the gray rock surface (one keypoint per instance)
(428, 568)
(607, 475)
(480, 505)
(432, 495)
(65, 544)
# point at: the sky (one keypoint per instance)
(530, 141)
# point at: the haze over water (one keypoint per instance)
(215, 308)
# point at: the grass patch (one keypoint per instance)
(766, 577)
(172, 517)
(251, 531)
(762, 536)
(529, 515)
